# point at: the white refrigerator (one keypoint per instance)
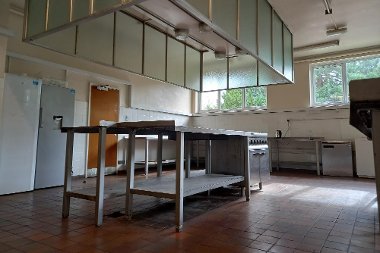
(18, 133)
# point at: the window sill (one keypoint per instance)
(229, 112)
(331, 106)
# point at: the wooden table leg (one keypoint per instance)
(100, 176)
(68, 168)
(130, 175)
(179, 180)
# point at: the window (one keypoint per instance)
(234, 99)
(329, 81)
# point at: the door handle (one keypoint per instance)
(58, 122)
(40, 119)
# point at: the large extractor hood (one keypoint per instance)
(202, 45)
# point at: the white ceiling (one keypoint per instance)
(308, 23)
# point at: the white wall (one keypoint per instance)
(150, 99)
(333, 124)
(290, 102)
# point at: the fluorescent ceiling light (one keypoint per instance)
(327, 44)
(336, 31)
(181, 34)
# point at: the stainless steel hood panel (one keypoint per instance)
(178, 18)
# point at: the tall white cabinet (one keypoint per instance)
(19, 133)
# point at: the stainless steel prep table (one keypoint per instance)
(274, 145)
(176, 188)
(98, 194)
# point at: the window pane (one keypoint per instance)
(248, 24)
(95, 39)
(101, 5)
(265, 28)
(154, 53)
(288, 54)
(267, 76)
(58, 13)
(200, 5)
(176, 62)
(80, 9)
(193, 69)
(224, 15)
(256, 97)
(231, 99)
(62, 41)
(278, 56)
(36, 16)
(328, 84)
(363, 69)
(209, 100)
(214, 72)
(128, 43)
(243, 71)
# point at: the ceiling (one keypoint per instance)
(307, 21)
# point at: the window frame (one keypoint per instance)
(244, 105)
(345, 83)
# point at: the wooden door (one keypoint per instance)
(104, 105)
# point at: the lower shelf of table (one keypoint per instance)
(161, 187)
(164, 187)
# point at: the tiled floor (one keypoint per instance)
(292, 214)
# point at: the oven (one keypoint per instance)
(258, 160)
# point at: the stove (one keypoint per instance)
(258, 160)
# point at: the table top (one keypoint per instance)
(157, 127)
(297, 138)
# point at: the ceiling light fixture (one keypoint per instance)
(318, 46)
(336, 31)
(204, 28)
(181, 34)
(240, 51)
(219, 55)
(328, 7)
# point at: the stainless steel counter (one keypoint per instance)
(240, 173)
(275, 142)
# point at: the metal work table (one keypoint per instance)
(147, 139)
(274, 145)
(174, 188)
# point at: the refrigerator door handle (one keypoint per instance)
(40, 119)
(58, 119)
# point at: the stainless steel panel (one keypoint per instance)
(259, 166)
(227, 156)
(57, 109)
(337, 159)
